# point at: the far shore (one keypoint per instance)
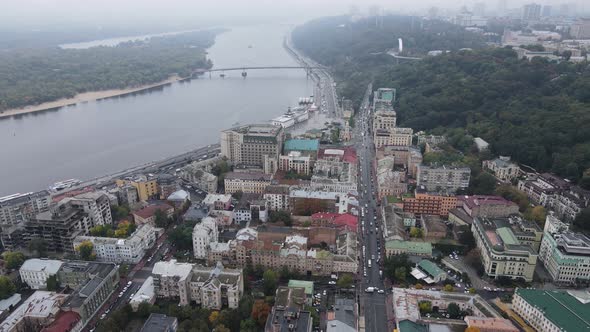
(84, 97)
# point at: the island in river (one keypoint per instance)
(46, 78)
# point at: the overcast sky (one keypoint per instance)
(104, 11)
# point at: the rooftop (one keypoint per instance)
(416, 247)
(500, 235)
(259, 176)
(301, 193)
(41, 304)
(289, 297)
(479, 200)
(559, 307)
(490, 323)
(172, 268)
(179, 195)
(49, 266)
(430, 268)
(150, 210)
(308, 285)
(64, 321)
(261, 129)
(159, 323)
(145, 292)
(302, 145)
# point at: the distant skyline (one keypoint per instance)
(31, 12)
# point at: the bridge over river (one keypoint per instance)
(245, 69)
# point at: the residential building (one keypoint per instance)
(147, 186)
(277, 197)
(211, 287)
(393, 226)
(247, 145)
(94, 283)
(398, 247)
(130, 250)
(295, 162)
(490, 324)
(196, 212)
(394, 137)
(307, 202)
(565, 254)
(147, 215)
(34, 272)
(17, 208)
(531, 12)
(507, 246)
(179, 198)
(246, 182)
(384, 120)
(96, 204)
(389, 181)
(580, 29)
(434, 203)
(433, 227)
(487, 206)
(145, 293)
(201, 178)
(160, 323)
(36, 312)
(541, 188)
(217, 201)
(502, 168)
(127, 195)
(434, 140)
(307, 147)
(552, 311)
(307, 288)
(203, 234)
(443, 178)
(58, 227)
(481, 144)
(167, 185)
(567, 204)
(385, 95)
(288, 313)
(342, 317)
(429, 272)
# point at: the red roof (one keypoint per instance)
(65, 321)
(324, 215)
(150, 210)
(348, 154)
(347, 220)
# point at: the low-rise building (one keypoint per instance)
(246, 182)
(433, 203)
(398, 247)
(429, 272)
(130, 250)
(145, 293)
(218, 201)
(147, 215)
(277, 197)
(308, 202)
(502, 168)
(307, 147)
(34, 272)
(288, 313)
(487, 206)
(552, 311)
(147, 186)
(433, 226)
(194, 173)
(490, 324)
(160, 323)
(507, 247)
(443, 178)
(36, 312)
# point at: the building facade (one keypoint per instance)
(204, 233)
(443, 178)
(247, 145)
(34, 272)
(502, 168)
(246, 182)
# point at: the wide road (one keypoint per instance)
(372, 303)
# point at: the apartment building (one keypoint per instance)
(424, 202)
(565, 254)
(147, 214)
(17, 208)
(502, 168)
(247, 145)
(201, 178)
(36, 312)
(204, 233)
(130, 250)
(443, 178)
(211, 287)
(147, 186)
(487, 206)
(307, 202)
(580, 29)
(384, 120)
(551, 310)
(507, 246)
(246, 182)
(296, 162)
(541, 188)
(389, 182)
(34, 272)
(384, 95)
(277, 197)
(217, 201)
(96, 204)
(567, 204)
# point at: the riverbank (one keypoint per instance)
(86, 97)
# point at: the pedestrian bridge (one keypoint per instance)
(244, 69)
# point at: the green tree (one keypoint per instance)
(248, 325)
(161, 219)
(471, 290)
(416, 232)
(448, 288)
(483, 184)
(144, 310)
(453, 310)
(582, 220)
(7, 287)
(345, 281)
(401, 274)
(52, 283)
(86, 251)
(13, 259)
(270, 279)
(425, 307)
(537, 214)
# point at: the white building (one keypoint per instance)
(96, 204)
(34, 272)
(36, 312)
(296, 162)
(277, 197)
(502, 168)
(130, 250)
(443, 178)
(203, 234)
(145, 293)
(171, 280)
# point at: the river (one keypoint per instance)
(96, 138)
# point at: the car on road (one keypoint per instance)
(331, 282)
(381, 291)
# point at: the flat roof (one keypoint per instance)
(41, 304)
(49, 266)
(308, 285)
(302, 144)
(173, 268)
(418, 247)
(430, 268)
(562, 309)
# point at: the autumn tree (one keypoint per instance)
(86, 251)
(448, 288)
(260, 312)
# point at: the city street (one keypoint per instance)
(372, 300)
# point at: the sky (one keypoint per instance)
(105, 11)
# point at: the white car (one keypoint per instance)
(331, 282)
(381, 291)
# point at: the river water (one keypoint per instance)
(97, 138)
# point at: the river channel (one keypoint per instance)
(97, 138)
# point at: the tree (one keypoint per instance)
(270, 279)
(52, 283)
(466, 238)
(582, 220)
(453, 310)
(400, 274)
(221, 328)
(483, 184)
(13, 259)
(418, 286)
(282, 216)
(119, 212)
(7, 288)
(471, 290)
(248, 325)
(345, 281)
(237, 195)
(416, 232)
(425, 307)
(86, 251)
(448, 288)
(537, 214)
(213, 317)
(123, 270)
(260, 312)
(144, 310)
(39, 246)
(161, 220)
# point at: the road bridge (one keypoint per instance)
(244, 69)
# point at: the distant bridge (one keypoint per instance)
(244, 69)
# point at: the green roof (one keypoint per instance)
(430, 268)
(308, 285)
(302, 145)
(409, 326)
(506, 235)
(411, 247)
(562, 309)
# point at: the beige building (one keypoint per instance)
(147, 187)
(502, 168)
(247, 145)
(246, 182)
(296, 162)
(384, 120)
(443, 178)
(507, 246)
